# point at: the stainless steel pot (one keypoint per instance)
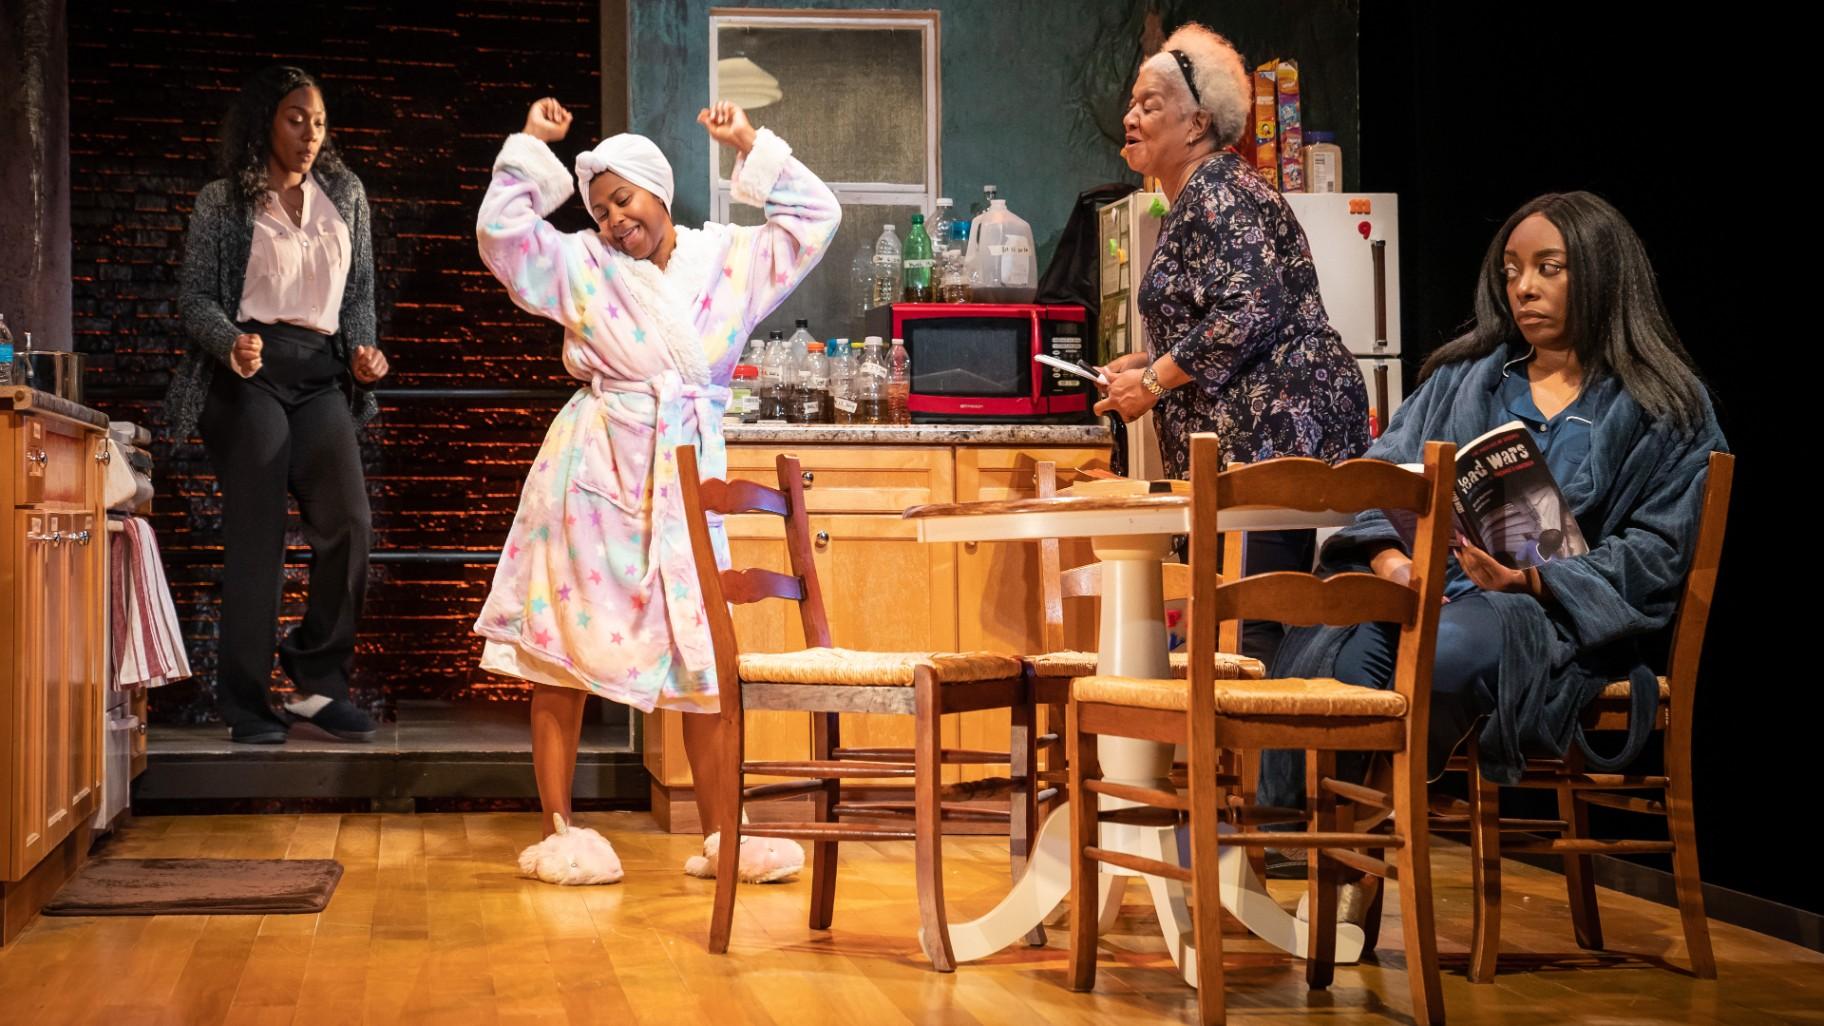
(52, 371)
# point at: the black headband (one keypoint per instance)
(1184, 65)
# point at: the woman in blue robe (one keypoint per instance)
(1570, 338)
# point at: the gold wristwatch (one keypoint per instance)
(1149, 380)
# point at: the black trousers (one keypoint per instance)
(286, 430)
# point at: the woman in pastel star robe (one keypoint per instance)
(596, 590)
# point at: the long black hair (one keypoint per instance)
(247, 131)
(1617, 322)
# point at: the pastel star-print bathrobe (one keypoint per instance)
(596, 587)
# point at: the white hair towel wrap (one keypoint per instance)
(633, 157)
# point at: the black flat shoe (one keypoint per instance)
(263, 732)
(341, 718)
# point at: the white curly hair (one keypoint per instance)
(1224, 90)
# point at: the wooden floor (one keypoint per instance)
(432, 924)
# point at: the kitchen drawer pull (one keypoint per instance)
(823, 539)
(808, 478)
(80, 537)
(54, 538)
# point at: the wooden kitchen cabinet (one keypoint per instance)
(997, 582)
(883, 590)
(55, 722)
(53, 580)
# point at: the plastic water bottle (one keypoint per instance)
(6, 353)
(939, 226)
(814, 392)
(743, 403)
(773, 369)
(861, 280)
(797, 348)
(795, 372)
(801, 337)
(871, 384)
(842, 375)
(886, 267)
(899, 383)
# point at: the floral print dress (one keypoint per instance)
(1231, 295)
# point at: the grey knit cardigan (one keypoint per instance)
(215, 267)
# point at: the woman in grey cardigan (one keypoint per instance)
(278, 303)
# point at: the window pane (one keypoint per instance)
(826, 298)
(852, 101)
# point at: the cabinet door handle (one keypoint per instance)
(104, 454)
(808, 477)
(80, 537)
(37, 456)
(53, 538)
(823, 539)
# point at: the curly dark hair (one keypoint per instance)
(247, 131)
(1617, 320)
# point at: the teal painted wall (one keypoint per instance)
(1009, 98)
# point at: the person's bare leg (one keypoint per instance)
(703, 747)
(557, 730)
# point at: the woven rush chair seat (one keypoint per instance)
(1621, 689)
(881, 669)
(1083, 664)
(1284, 697)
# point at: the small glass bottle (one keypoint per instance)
(917, 264)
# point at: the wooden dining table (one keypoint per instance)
(1130, 525)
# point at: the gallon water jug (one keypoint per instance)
(1001, 262)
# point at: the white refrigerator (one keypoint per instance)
(1349, 234)
(1355, 244)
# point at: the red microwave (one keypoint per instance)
(973, 362)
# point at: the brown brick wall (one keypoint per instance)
(419, 96)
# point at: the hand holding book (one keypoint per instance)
(1508, 508)
(1482, 569)
(1489, 574)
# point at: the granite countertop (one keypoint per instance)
(918, 434)
(19, 397)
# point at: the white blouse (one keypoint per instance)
(296, 273)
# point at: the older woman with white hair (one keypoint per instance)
(596, 591)
(1237, 339)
